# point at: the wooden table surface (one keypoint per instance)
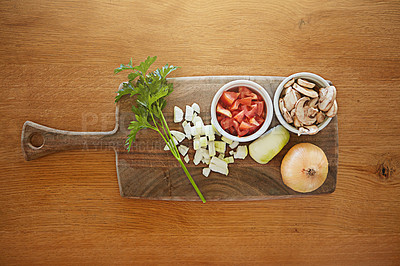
(57, 60)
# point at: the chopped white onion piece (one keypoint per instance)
(198, 156)
(225, 139)
(197, 119)
(229, 159)
(205, 161)
(221, 156)
(231, 152)
(196, 108)
(194, 116)
(208, 130)
(241, 152)
(193, 131)
(206, 171)
(186, 158)
(203, 142)
(205, 154)
(183, 149)
(220, 146)
(234, 145)
(188, 131)
(202, 130)
(219, 166)
(178, 114)
(198, 122)
(178, 135)
(199, 126)
(211, 148)
(189, 113)
(196, 144)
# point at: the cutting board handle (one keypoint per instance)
(38, 140)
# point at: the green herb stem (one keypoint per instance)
(163, 121)
(150, 91)
(192, 181)
(165, 138)
(178, 157)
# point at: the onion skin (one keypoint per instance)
(304, 167)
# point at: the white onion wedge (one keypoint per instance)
(178, 114)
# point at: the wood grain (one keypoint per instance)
(57, 60)
(149, 172)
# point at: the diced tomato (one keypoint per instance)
(232, 131)
(243, 107)
(235, 112)
(241, 133)
(239, 116)
(260, 108)
(259, 119)
(254, 96)
(228, 97)
(226, 123)
(236, 125)
(241, 111)
(254, 129)
(245, 101)
(246, 92)
(223, 111)
(253, 121)
(252, 112)
(245, 125)
(235, 105)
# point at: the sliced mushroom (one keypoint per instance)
(287, 90)
(308, 130)
(320, 117)
(296, 122)
(312, 130)
(302, 131)
(302, 112)
(291, 98)
(327, 97)
(313, 103)
(333, 110)
(289, 83)
(284, 112)
(312, 108)
(287, 117)
(305, 105)
(307, 92)
(311, 111)
(305, 83)
(293, 113)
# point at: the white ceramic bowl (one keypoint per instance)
(253, 86)
(309, 76)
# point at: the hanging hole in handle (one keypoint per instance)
(36, 141)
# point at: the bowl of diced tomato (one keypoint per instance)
(241, 110)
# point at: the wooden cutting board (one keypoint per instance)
(149, 172)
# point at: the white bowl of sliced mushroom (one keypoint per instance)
(305, 103)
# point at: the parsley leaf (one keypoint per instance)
(150, 90)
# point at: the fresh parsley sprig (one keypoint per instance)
(150, 90)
